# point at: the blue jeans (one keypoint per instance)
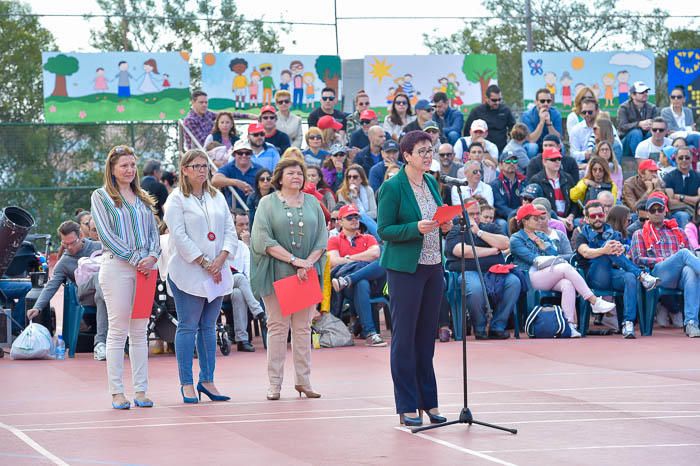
(477, 305)
(17, 289)
(532, 149)
(682, 271)
(359, 292)
(452, 137)
(195, 316)
(371, 225)
(617, 150)
(503, 225)
(632, 140)
(603, 276)
(682, 217)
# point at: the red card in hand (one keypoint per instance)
(445, 213)
(143, 297)
(294, 294)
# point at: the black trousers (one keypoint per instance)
(415, 306)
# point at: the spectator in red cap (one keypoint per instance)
(355, 267)
(556, 184)
(279, 139)
(528, 246)
(327, 108)
(641, 185)
(331, 131)
(264, 154)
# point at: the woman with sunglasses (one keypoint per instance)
(399, 116)
(262, 188)
(529, 243)
(315, 154)
(679, 118)
(334, 166)
(412, 257)
(126, 223)
(287, 122)
(202, 237)
(314, 175)
(596, 179)
(356, 190)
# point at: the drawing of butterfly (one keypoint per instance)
(535, 66)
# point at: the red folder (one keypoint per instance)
(445, 213)
(143, 297)
(294, 294)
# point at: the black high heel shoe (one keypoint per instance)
(202, 389)
(434, 418)
(410, 421)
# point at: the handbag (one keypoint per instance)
(547, 322)
(332, 332)
(542, 262)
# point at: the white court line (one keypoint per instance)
(595, 447)
(555, 421)
(34, 445)
(365, 398)
(478, 454)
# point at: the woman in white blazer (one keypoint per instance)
(201, 238)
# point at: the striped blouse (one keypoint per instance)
(129, 232)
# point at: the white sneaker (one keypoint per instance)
(649, 282)
(692, 329)
(375, 340)
(100, 352)
(574, 331)
(602, 306)
(662, 316)
(677, 319)
(628, 329)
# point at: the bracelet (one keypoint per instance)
(479, 233)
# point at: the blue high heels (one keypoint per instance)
(187, 399)
(434, 418)
(202, 389)
(410, 421)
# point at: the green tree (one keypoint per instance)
(480, 69)
(23, 40)
(328, 69)
(61, 65)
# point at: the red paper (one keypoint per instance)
(294, 294)
(143, 297)
(445, 213)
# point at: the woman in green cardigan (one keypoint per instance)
(413, 258)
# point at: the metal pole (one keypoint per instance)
(335, 25)
(528, 25)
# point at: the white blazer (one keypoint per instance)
(187, 224)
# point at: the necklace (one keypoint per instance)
(420, 186)
(211, 236)
(296, 240)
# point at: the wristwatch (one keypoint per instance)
(292, 259)
(347, 256)
(479, 233)
(681, 197)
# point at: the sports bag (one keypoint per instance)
(547, 322)
(332, 331)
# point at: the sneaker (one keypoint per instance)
(692, 330)
(628, 329)
(602, 306)
(340, 283)
(574, 331)
(676, 319)
(662, 317)
(100, 352)
(375, 340)
(649, 282)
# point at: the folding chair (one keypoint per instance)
(73, 313)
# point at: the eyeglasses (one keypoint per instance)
(339, 154)
(511, 161)
(427, 152)
(555, 160)
(244, 153)
(658, 130)
(362, 104)
(198, 167)
(446, 154)
(596, 216)
(315, 137)
(265, 179)
(72, 243)
(657, 210)
(353, 177)
(269, 117)
(676, 97)
(284, 101)
(587, 112)
(328, 98)
(545, 101)
(365, 122)
(352, 217)
(401, 102)
(257, 135)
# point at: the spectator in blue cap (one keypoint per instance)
(424, 113)
(390, 155)
(506, 189)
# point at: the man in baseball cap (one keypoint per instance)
(264, 154)
(268, 119)
(424, 113)
(506, 189)
(359, 138)
(390, 155)
(641, 185)
(240, 172)
(352, 250)
(478, 131)
(635, 118)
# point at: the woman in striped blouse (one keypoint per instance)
(123, 214)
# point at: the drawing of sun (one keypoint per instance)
(380, 70)
(577, 63)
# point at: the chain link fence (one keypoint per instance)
(51, 170)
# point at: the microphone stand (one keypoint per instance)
(465, 416)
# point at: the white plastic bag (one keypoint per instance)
(34, 342)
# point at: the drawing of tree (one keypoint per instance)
(480, 68)
(328, 69)
(62, 66)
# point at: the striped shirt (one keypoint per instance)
(129, 232)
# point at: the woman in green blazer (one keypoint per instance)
(413, 258)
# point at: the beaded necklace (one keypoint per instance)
(296, 242)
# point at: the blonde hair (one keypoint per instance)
(293, 153)
(282, 93)
(185, 185)
(580, 95)
(110, 182)
(328, 137)
(313, 131)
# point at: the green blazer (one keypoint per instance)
(398, 215)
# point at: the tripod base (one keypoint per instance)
(465, 417)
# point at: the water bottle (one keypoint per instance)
(60, 348)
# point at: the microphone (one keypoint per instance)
(453, 181)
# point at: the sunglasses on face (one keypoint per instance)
(596, 216)
(339, 154)
(197, 167)
(511, 161)
(545, 101)
(587, 112)
(285, 101)
(328, 98)
(683, 157)
(658, 130)
(314, 137)
(429, 109)
(269, 117)
(657, 210)
(446, 154)
(258, 135)
(265, 179)
(401, 102)
(365, 122)
(476, 172)
(352, 217)
(555, 160)
(353, 177)
(478, 131)
(676, 97)
(495, 100)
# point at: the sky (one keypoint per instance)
(356, 37)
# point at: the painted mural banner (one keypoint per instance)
(464, 78)
(609, 74)
(115, 86)
(684, 70)
(248, 81)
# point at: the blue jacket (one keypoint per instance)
(525, 251)
(506, 201)
(531, 119)
(598, 239)
(452, 121)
